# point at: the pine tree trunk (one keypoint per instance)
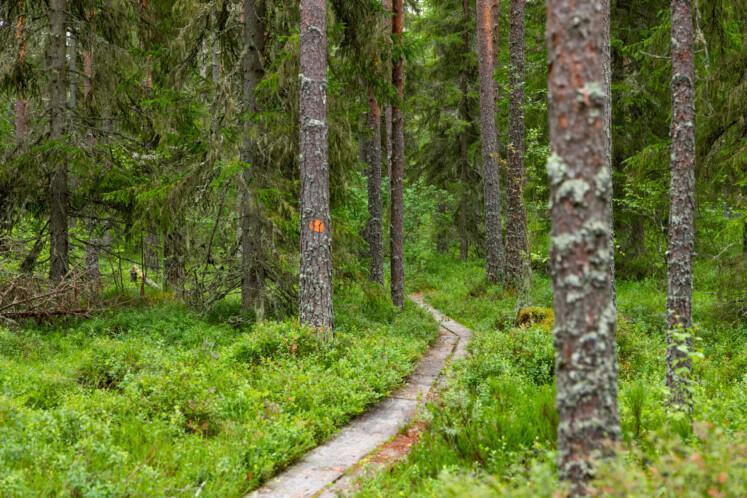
(464, 139)
(375, 209)
(387, 5)
(398, 161)
(252, 281)
(174, 252)
(21, 112)
(517, 246)
(93, 247)
(578, 170)
(442, 228)
(607, 67)
(682, 192)
(489, 139)
(316, 238)
(58, 187)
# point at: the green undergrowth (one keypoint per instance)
(493, 431)
(160, 401)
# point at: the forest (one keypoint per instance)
(373, 248)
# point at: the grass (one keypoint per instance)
(493, 431)
(160, 401)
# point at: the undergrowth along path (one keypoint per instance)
(326, 470)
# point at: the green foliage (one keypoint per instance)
(158, 401)
(493, 431)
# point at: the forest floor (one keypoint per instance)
(492, 432)
(328, 470)
(156, 400)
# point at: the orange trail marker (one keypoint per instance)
(316, 226)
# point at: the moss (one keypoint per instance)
(544, 318)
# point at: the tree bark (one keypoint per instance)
(580, 180)
(174, 252)
(387, 4)
(316, 239)
(607, 68)
(489, 139)
(58, 187)
(464, 138)
(375, 209)
(681, 215)
(398, 161)
(517, 246)
(252, 281)
(21, 112)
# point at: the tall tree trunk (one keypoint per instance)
(442, 228)
(93, 247)
(21, 112)
(578, 170)
(387, 5)
(398, 161)
(58, 187)
(489, 136)
(375, 209)
(607, 68)
(682, 192)
(464, 138)
(316, 238)
(252, 278)
(174, 251)
(517, 246)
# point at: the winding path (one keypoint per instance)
(324, 470)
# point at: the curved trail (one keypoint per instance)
(324, 470)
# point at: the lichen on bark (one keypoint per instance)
(578, 171)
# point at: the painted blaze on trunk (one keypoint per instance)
(316, 240)
(489, 139)
(681, 214)
(579, 175)
(398, 162)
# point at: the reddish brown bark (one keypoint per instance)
(316, 239)
(398, 160)
(489, 138)
(682, 209)
(580, 181)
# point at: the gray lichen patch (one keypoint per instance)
(574, 190)
(556, 169)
